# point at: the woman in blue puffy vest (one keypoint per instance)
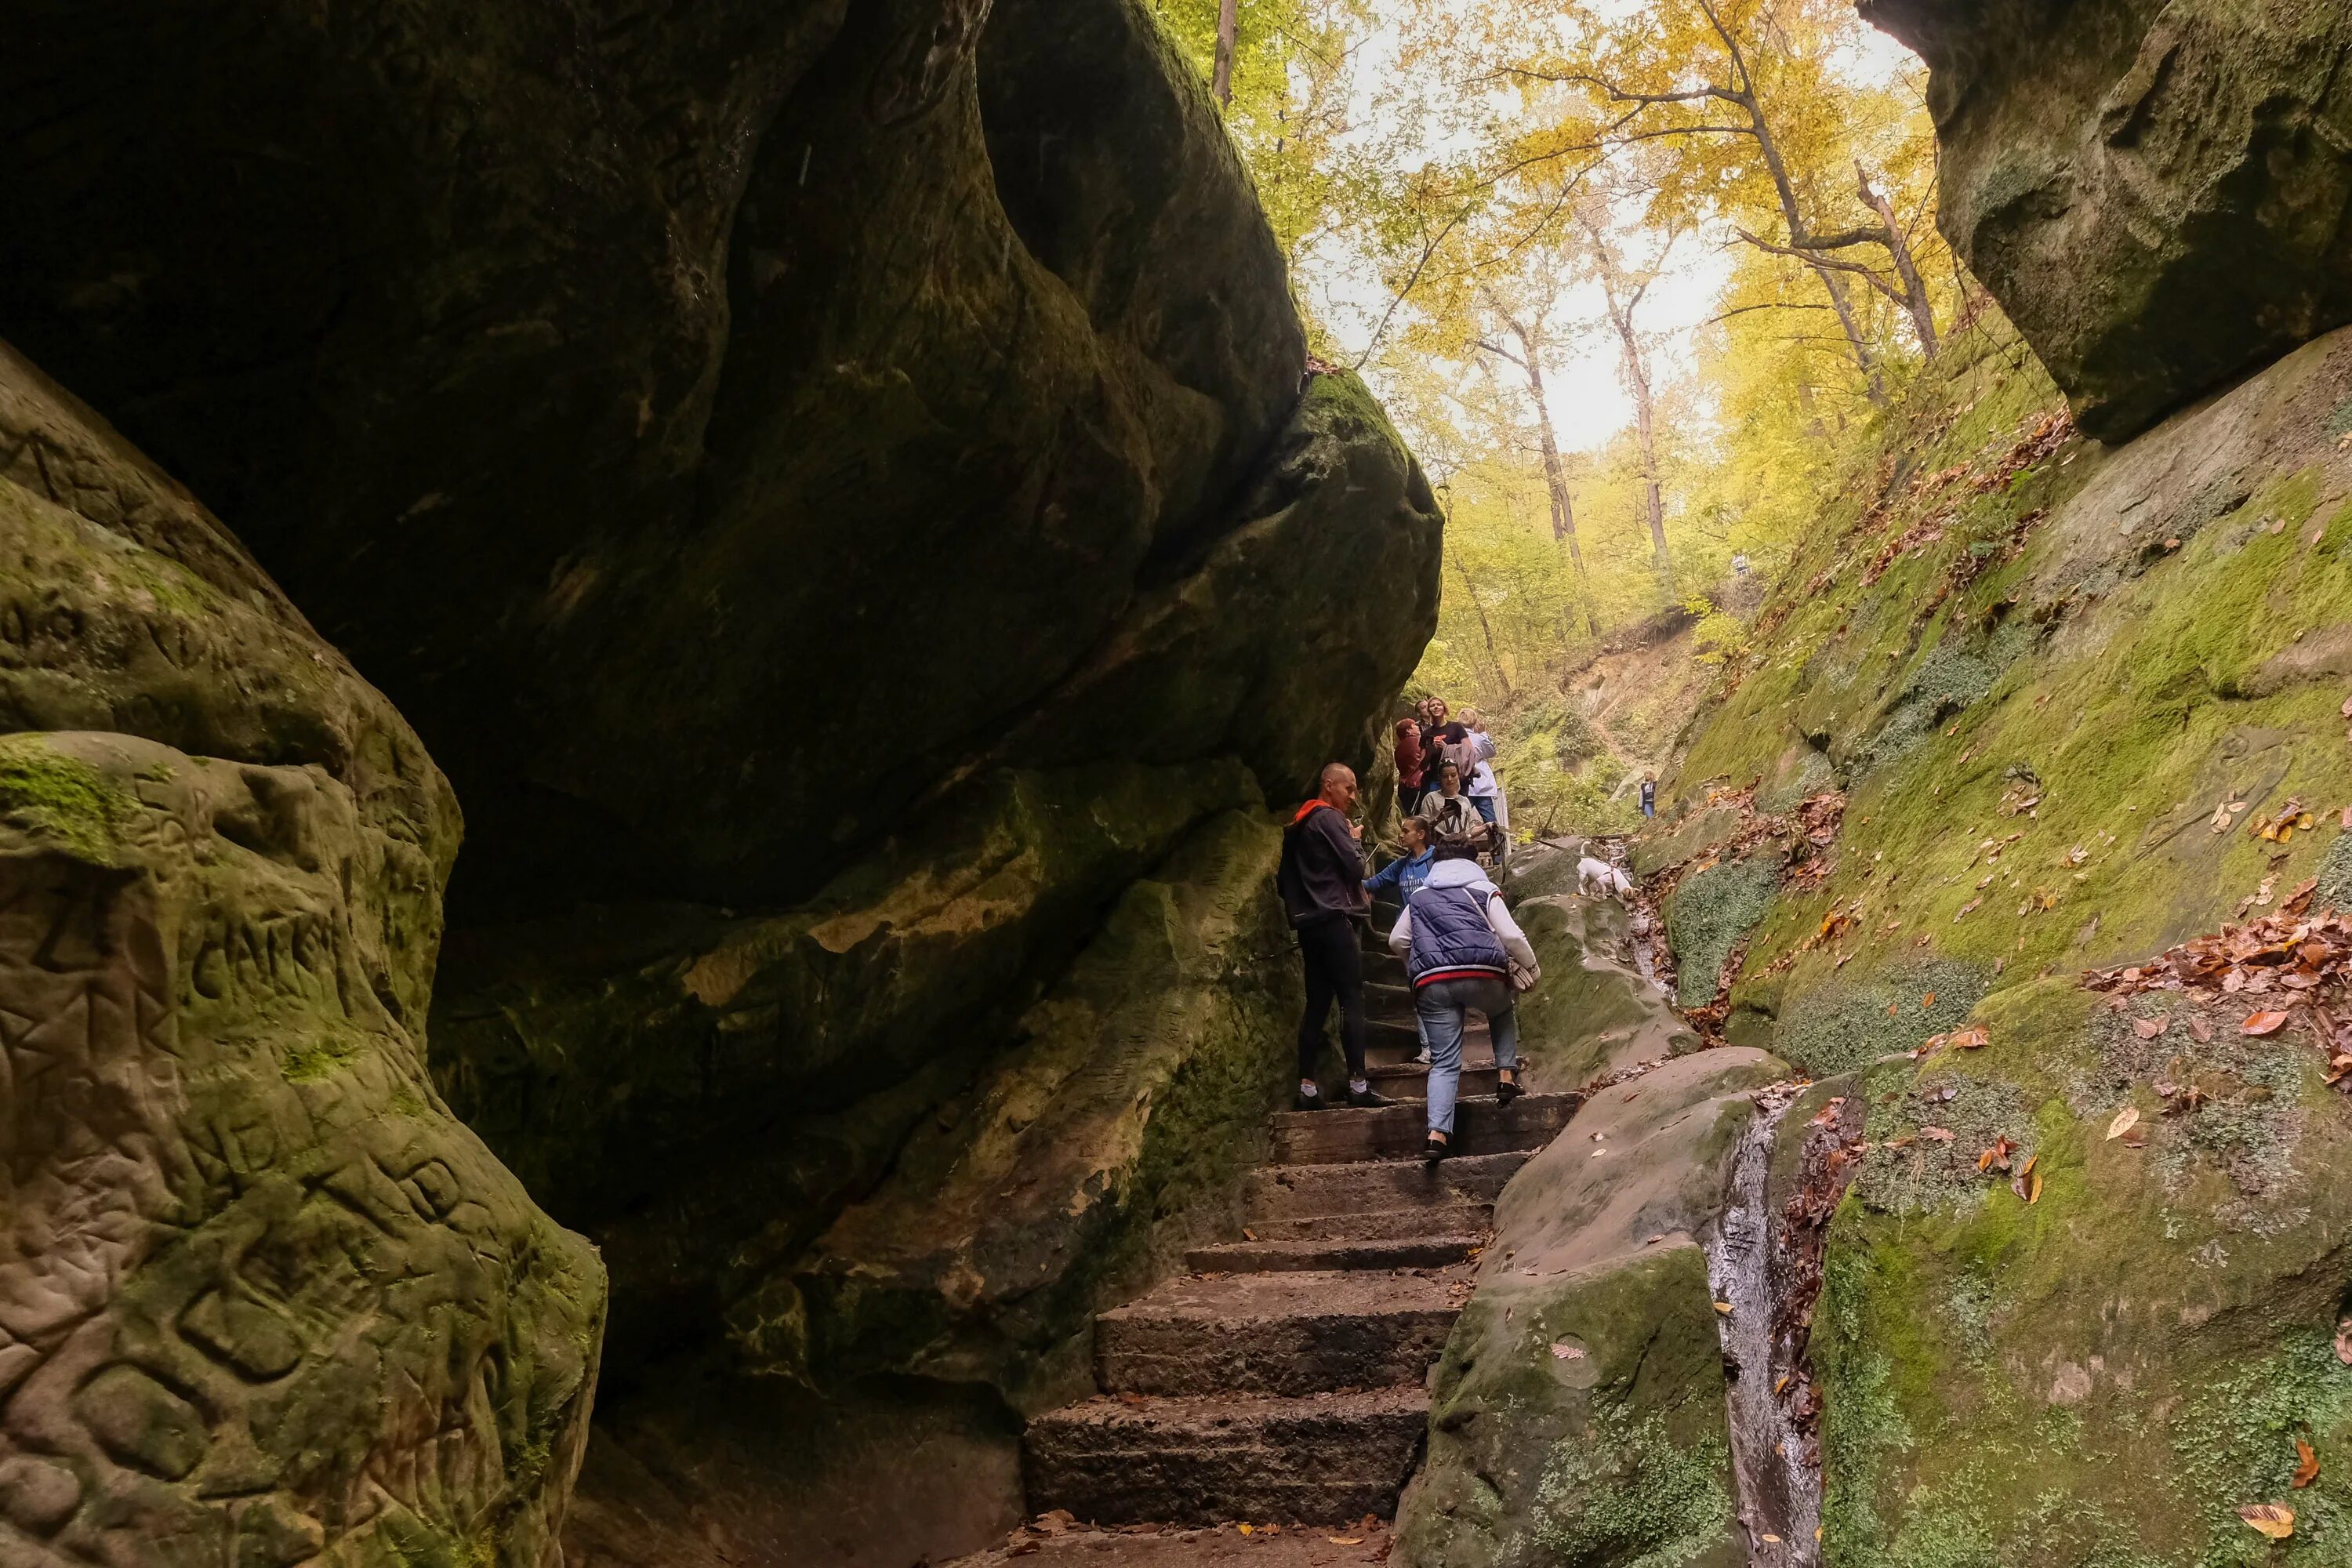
(1462, 950)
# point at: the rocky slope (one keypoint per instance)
(2081, 703)
(838, 490)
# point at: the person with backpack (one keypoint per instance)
(1463, 950)
(1321, 879)
(1452, 816)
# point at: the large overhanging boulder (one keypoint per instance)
(2157, 193)
(262, 1297)
(841, 490)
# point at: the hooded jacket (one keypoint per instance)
(1322, 876)
(1457, 928)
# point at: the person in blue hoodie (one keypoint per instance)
(1408, 870)
(1462, 950)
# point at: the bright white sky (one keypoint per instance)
(1588, 401)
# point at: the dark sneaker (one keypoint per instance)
(1307, 1102)
(1507, 1089)
(1435, 1149)
(1367, 1098)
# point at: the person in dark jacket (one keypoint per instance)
(1321, 880)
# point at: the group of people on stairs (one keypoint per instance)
(1445, 776)
(1463, 952)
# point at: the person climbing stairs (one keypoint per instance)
(1281, 1378)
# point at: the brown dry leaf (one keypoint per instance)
(1780, 1383)
(2126, 1120)
(1247, 1529)
(1724, 1307)
(2027, 1185)
(2344, 1342)
(2149, 1029)
(1893, 1008)
(1345, 1539)
(1562, 1351)
(2307, 1465)
(1936, 1134)
(2033, 1191)
(1971, 1038)
(2264, 1023)
(1928, 1000)
(2273, 1519)
(2203, 1030)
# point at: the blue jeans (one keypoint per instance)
(1441, 1007)
(1486, 807)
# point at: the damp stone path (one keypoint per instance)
(1282, 1379)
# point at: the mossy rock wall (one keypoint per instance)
(261, 1295)
(2147, 633)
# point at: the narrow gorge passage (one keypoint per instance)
(1281, 1379)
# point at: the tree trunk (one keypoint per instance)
(1563, 511)
(1645, 428)
(1798, 235)
(1221, 80)
(1915, 290)
(1485, 628)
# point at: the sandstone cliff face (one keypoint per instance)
(2035, 707)
(263, 1299)
(2158, 193)
(838, 488)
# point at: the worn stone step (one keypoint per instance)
(1410, 1082)
(1428, 1251)
(1382, 967)
(1327, 1459)
(1465, 1218)
(1391, 1040)
(1371, 1187)
(1395, 1131)
(1304, 1333)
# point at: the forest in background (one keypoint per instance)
(1638, 285)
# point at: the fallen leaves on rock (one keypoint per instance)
(2294, 965)
(2273, 1519)
(2344, 1340)
(2307, 1465)
(2126, 1120)
(2027, 1182)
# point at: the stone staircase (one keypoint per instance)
(1282, 1378)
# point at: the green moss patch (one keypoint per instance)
(62, 801)
(1707, 914)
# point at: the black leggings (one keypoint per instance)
(1335, 971)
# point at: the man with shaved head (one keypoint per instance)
(1322, 886)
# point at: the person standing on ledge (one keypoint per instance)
(1649, 795)
(1321, 880)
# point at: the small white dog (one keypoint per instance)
(1597, 878)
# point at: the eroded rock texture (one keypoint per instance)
(838, 488)
(2157, 193)
(263, 1299)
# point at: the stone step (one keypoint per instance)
(1426, 1251)
(1373, 1186)
(1399, 1039)
(1380, 1225)
(1410, 1080)
(1305, 1332)
(1397, 1132)
(1327, 1459)
(1382, 967)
